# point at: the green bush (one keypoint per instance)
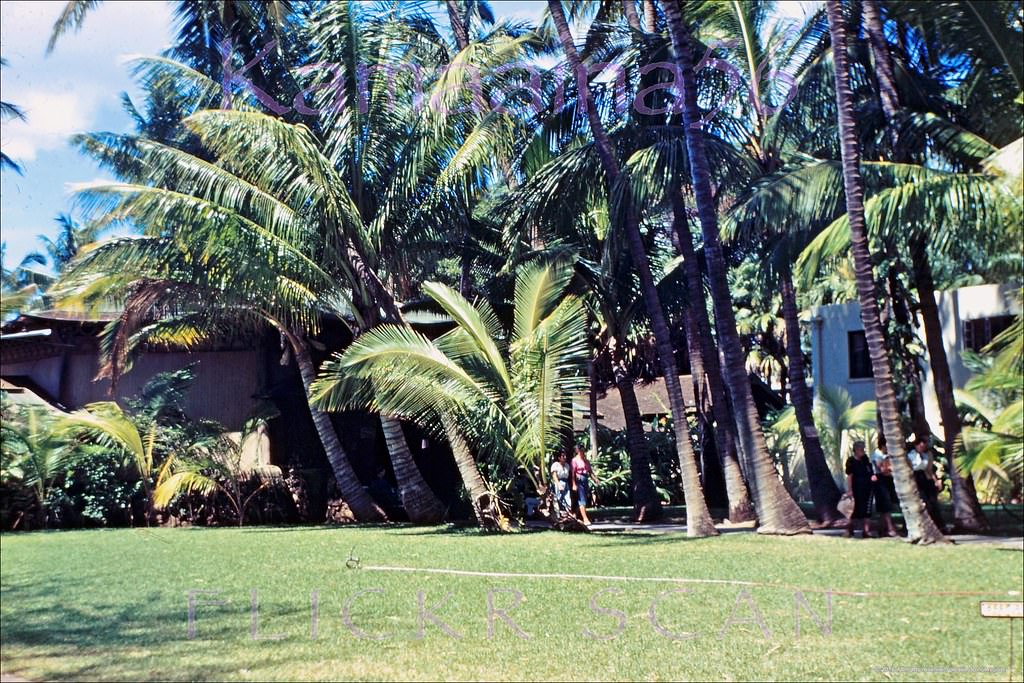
(612, 465)
(101, 491)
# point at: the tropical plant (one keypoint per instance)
(838, 423)
(991, 446)
(215, 467)
(34, 457)
(104, 423)
(615, 471)
(699, 522)
(776, 511)
(920, 527)
(501, 393)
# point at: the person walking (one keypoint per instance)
(860, 479)
(560, 482)
(582, 476)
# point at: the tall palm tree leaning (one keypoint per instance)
(698, 518)
(920, 527)
(967, 512)
(706, 367)
(776, 511)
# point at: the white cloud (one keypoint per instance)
(129, 26)
(51, 117)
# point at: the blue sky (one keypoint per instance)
(78, 88)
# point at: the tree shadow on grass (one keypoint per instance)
(87, 637)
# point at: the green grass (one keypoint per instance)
(112, 605)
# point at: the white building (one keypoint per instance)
(970, 316)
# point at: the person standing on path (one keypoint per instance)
(860, 480)
(885, 489)
(928, 483)
(560, 482)
(582, 476)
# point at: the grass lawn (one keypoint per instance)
(112, 604)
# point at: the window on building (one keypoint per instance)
(860, 359)
(979, 332)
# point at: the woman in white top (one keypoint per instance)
(560, 481)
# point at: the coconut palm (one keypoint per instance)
(776, 510)
(766, 135)
(558, 203)
(228, 213)
(920, 527)
(374, 208)
(966, 509)
(699, 521)
(483, 388)
(108, 425)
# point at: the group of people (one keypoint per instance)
(573, 481)
(870, 480)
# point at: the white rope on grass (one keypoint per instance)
(528, 575)
(668, 579)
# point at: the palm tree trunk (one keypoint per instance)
(887, 92)
(650, 17)
(901, 313)
(740, 507)
(458, 28)
(967, 512)
(698, 518)
(920, 527)
(461, 33)
(632, 18)
(824, 491)
(419, 501)
(711, 475)
(352, 490)
(646, 502)
(483, 499)
(776, 511)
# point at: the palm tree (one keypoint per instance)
(557, 202)
(698, 520)
(70, 240)
(213, 466)
(34, 456)
(469, 385)
(920, 527)
(373, 297)
(20, 286)
(704, 363)
(107, 424)
(993, 445)
(766, 138)
(617, 306)
(240, 205)
(966, 509)
(776, 511)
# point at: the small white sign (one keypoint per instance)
(1003, 610)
